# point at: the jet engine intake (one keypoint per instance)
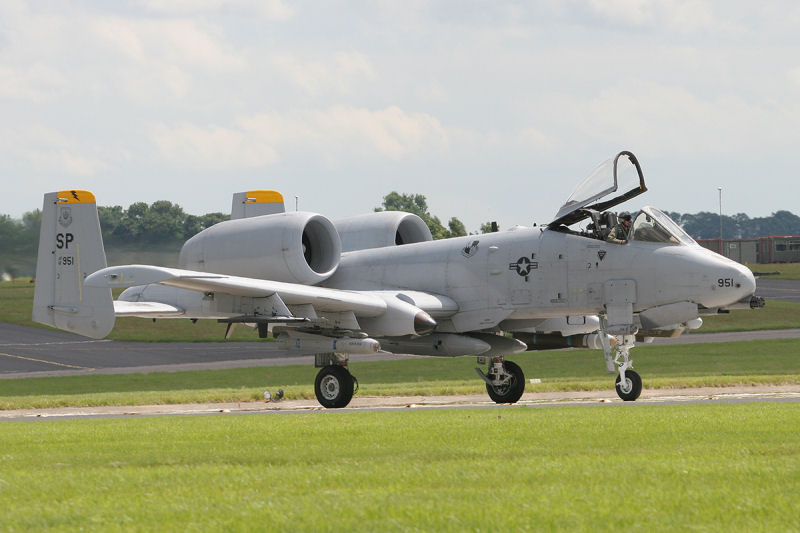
(295, 247)
(384, 228)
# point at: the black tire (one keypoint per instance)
(635, 383)
(334, 386)
(512, 392)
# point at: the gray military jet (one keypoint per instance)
(379, 282)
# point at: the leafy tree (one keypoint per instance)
(457, 228)
(486, 227)
(418, 205)
(193, 225)
(705, 225)
(110, 220)
(162, 222)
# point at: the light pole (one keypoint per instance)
(720, 220)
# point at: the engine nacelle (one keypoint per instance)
(295, 247)
(384, 228)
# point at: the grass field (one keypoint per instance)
(777, 270)
(776, 314)
(719, 364)
(589, 468)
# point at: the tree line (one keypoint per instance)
(162, 225)
(165, 225)
(706, 225)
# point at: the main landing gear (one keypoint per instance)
(335, 385)
(505, 381)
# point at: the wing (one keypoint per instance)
(383, 312)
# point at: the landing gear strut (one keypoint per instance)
(334, 386)
(505, 381)
(628, 383)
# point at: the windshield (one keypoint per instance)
(652, 225)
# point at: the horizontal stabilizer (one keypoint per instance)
(146, 309)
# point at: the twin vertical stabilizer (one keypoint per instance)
(71, 248)
(256, 203)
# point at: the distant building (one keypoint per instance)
(769, 249)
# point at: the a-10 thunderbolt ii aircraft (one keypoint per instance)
(379, 282)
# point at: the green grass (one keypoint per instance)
(599, 468)
(776, 314)
(718, 364)
(784, 270)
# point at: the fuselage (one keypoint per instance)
(534, 273)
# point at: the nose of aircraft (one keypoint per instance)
(736, 284)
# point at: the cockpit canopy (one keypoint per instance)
(620, 173)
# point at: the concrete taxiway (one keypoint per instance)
(531, 399)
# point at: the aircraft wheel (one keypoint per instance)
(512, 392)
(632, 388)
(334, 386)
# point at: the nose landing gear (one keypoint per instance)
(628, 383)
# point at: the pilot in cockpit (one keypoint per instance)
(619, 233)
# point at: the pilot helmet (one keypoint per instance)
(624, 216)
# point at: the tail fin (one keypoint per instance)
(256, 203)
(71, 248)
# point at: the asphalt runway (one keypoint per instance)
(34, 352)
(787, 290)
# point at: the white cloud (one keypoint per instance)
(212, 148)
(341, 73)
(176, 42)
(153, 62)
(49, 151)
(36, 82)
(334, 136)
(666, 120)
(268, 9)
(677, 15)
(794, 75)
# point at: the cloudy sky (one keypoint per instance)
(493, 110)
